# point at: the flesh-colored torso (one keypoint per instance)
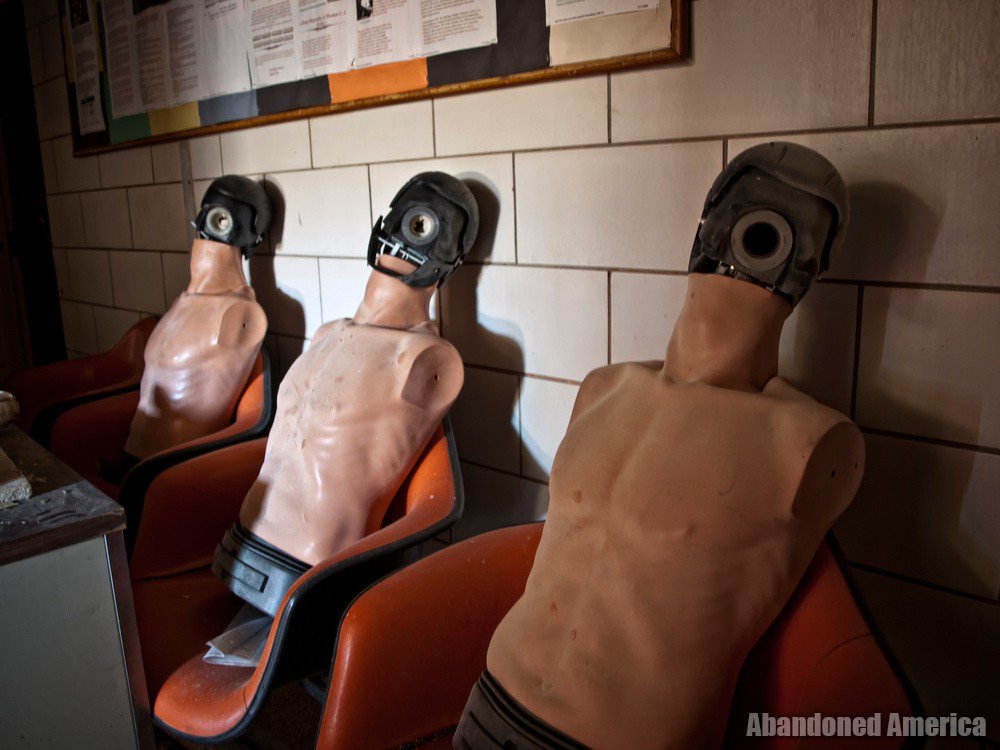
(682, 515)
(354, 412)
(198, 359)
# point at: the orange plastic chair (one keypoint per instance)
(46, 392)
(411, 647)
(180, 604)
(85, 435)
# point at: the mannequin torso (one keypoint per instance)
(199, 355)
(686, 502)
(354, 413)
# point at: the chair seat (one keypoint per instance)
(206, 702)
(411, 647)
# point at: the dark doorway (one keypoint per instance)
(30, 321)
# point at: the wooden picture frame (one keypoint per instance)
(386, 84)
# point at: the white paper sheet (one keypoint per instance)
(384, 32)
(153, 58)
(395, 30)
(563, 11)
(184, 50)
(242, 643)
(274, 48)
(83, 41)
(122, 63)
(449, 25)
(326, 38)
(226, 69)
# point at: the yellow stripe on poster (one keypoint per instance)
(183, 117)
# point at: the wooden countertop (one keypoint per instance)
(64, 508)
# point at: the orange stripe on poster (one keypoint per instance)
(392, 78)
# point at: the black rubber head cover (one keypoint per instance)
(235, 210)
(432, 223)
(775, 216)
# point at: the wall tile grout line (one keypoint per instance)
(857, 351)
(513, 190)
(986, 449)
(508, 472)
(718, 137)
(926, 584)
(609, 317)
(609, 107)
(518, 373)
(871, 68)
(434, 138)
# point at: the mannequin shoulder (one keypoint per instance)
(832, 449)
(435, 375)
(604, 380)
(244, 320)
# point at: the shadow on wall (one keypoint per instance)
(285, 313)
(480, 343)
(909, 487)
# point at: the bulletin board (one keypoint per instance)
(113, 105)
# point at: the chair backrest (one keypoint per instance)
(252, 418)
(303, 633)
(48, 391)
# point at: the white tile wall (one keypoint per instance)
(78, 327)
(288, 290)
(494, 499)
(643, 310)
(757, 66)
(342, 282)
(272, 148)
(112, 324)
(486, 419)
(166, 162)
(325, 212)
(90, 276)
(36, 57)
(928, 512)
(105, 218)
(137, 278)
(159, 219)
(537, 320)
(66, 220)
(935, 60)
(490, 178)
(947, 644)
(52, 108)
(50, 36)
(62, 272)
(401, 131)
(206, 157)
(176, 275)
(543, 115)
(639, 210)
(37, 11)
(131, 167)
(817, 344)
(73, 173)
(545, 407)
(916, 202)
(930, 364)
(49, 167)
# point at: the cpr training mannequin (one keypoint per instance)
(688, 496)
(357, 408)
(199, 356)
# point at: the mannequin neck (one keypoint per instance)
(390, 303)
(216, 268)
(727, 334)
